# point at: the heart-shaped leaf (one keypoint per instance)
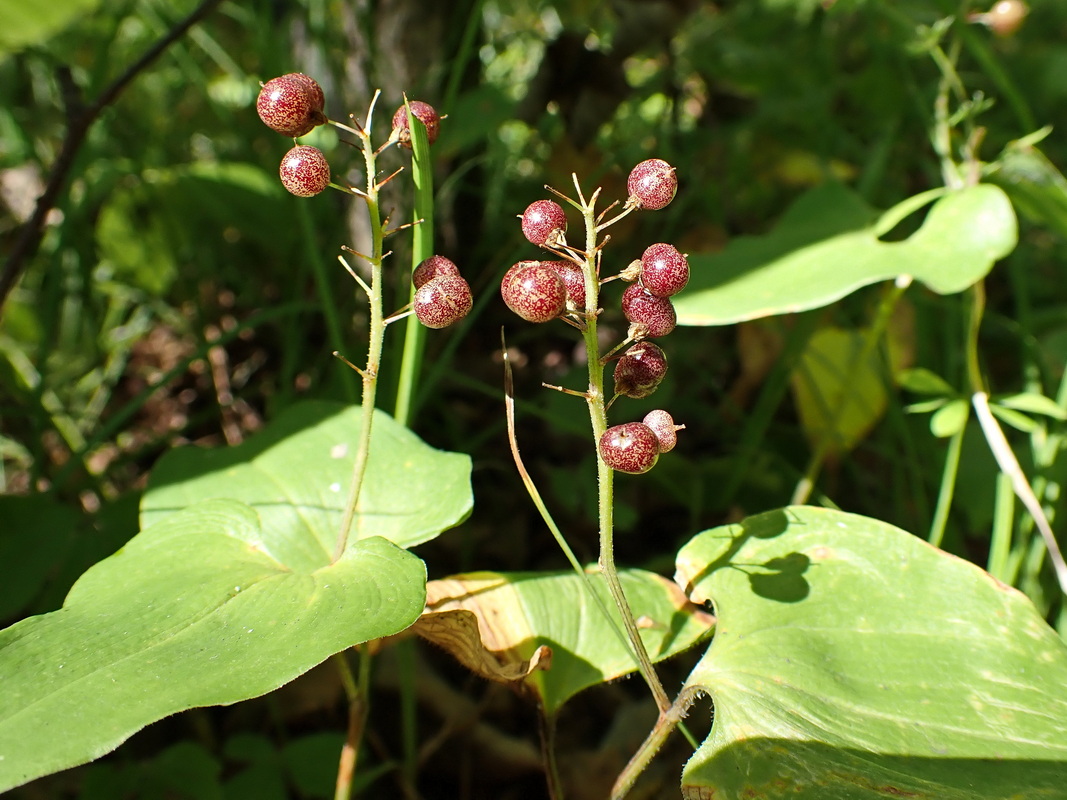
(854, 661)
(204, 608)
(296, 474)
(826, 246)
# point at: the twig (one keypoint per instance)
(80, 118)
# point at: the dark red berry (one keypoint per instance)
(652, 184)
(424, 113)
(662, 424)
(304, 171)
(544, 222)
(650, 316)
(311, 86)
(632, 448)
(534, 292)
(573, 281)
(664, 271)
(432, 267)
(443, 300)
(639, 370)
(289, 105)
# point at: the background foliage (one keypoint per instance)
(180, 295)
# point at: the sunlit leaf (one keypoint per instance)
(208, 607)
(826, 246)
(853, 661)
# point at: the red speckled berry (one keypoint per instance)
(289, 105)
(432, 267)
(639, 370)
(652, 184)
(573, 281)
(544, 222)
(304, 171)
(632, 448)
(664, 271)
(534, 292)
(311, 86)
(443, 300)
(662, 424)
(650, 316)
(424, 113)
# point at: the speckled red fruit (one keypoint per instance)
(544, 222)
(304, 171)
(662, 424)
(573, 281)
(652, 184)
(311, 86)
(289, 104)
(424, 113)
(432, 267)
(639, 370)
(443, 300)
(650, 316)
(664, 271)
(534, 292)
(631, 447)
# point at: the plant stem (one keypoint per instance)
(375, 340)
(605, 475)
(357, 717)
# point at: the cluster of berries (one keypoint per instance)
(540, 291)
(293, 105)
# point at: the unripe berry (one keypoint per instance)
(639, 370)
(424, 113)
(432, 267)
(544, 222)
(443, 300)
(632, 448)
(534, 292)
(291, 104)
(664, 271)
(573, 281)
(652, 184)
(651, 316)
(1005, 17)
(304, 171)
(662, 424)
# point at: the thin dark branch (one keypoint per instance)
(79, 119)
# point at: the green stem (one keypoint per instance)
(374, 344)
(948, 487)
(605, 475)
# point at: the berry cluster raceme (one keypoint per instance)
(542, 291)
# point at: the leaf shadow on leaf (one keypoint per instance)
(802, 770)
(780, 578)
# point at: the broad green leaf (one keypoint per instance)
(204, 608)
(827, 246)
(923, 381)
(23, 24)
(516, 614)
(296, 474)
(853, 661)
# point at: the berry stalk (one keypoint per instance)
(605, 475)
(376, 336)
